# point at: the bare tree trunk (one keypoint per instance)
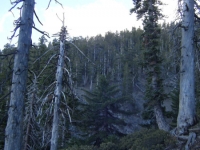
(57, 95)
(186, 115)
(14, 128)
(160, 119)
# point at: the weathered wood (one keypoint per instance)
(14, 128)
(186, 115)
(196, 130)
(160, 119)
(57, 95)
(183, 137)
(190, 141)
(58, 89)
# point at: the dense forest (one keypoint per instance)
(128, 90)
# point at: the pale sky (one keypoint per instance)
(82, 17)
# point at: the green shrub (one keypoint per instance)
(108, 146)
(146, 140)
(83, 147)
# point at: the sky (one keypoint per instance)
(82, 17)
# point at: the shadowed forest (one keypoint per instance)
(128, 90)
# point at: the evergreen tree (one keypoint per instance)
(175, 105)
(148, 9)
(99, 112)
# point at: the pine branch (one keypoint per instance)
(37, 17)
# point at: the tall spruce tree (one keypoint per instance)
(149, 11)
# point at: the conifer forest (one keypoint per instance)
(133, 89)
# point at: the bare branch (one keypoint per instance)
(67, 71)
(46, 65)
(42, 56)
(81, 52)
(42, 32)
(15, 3)
(14, 32)
(56, 2)
(56, 34)
(49, 4)
(68, 58)
(59, 17)
(46, 90)
(17, 23)
(70, 119)
(59, 3)
(37, 18)
(12, 13)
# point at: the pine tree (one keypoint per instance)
(148, 9)
(175, 105)
(99, 112)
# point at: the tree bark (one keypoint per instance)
(14, 128)
(57, 95)
(186, 115)
(160, 119)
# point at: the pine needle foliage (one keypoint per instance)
(149, 11)
(99, 112)
(174, 96)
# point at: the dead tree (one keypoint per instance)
(187, 115)
(58, 88)
(25, 24)
(14, 128)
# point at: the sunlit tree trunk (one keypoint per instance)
(186, 115)
(14, 128)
